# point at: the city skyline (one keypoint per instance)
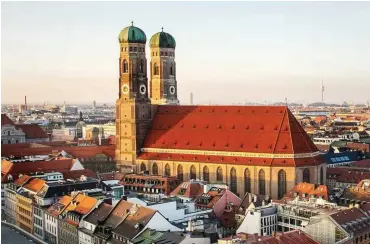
(289, 47)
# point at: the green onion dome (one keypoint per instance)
(162, 40)
(132, 34)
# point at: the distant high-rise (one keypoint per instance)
(191, 99)
(94, 105)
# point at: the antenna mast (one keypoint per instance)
(322, 91)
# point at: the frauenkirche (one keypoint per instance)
(258, 149)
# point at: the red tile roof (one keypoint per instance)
(5, 120)
(75, 151)
(352, 220)
(361, 163)
(188, 189)
(32, 131)
(15, 169)
(35, 184)
(76, 174)
(111, 176)
(291, 237)
(255, 129)
(308, 189)
(347, 175)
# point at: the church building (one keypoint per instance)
(258, 149)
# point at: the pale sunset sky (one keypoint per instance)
(227, 52)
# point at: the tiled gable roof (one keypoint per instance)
(5, 120)
(254, 129)
(188, 189)
(99, 214)
(35, 184)
(32, 131)
(308, 189)
(135, 221)
(352, 220)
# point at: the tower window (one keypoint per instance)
(156, 69)
(142, 66)
(153, 54)
(124, 66)
(125, 49)
(165, 53)
(130, 49)
(161, 53)
(135, 49)
(171, 70)
(156, 54)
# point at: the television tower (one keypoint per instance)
(322, 92)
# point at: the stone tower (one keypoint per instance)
(163, 84)
(133, 109)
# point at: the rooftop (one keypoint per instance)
(269, 129)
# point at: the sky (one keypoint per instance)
(226, 52)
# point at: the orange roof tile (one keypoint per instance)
(188, 189)
(258, 129)
(35, 184)
(308, 189)
(22, 180)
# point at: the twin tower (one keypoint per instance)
(137, 100)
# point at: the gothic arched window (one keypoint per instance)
(281, 183)
(306, 175)
(124, 66)
(142, 167)
(247, 180)
(261, 182)
(155, 169)
(233, 180)
(167, 170)
(156, 69)
(205, 173)
(219, 176)
(180, 172)
(193, 172)
(171, 69)
(141, 66)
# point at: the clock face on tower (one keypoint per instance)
(125, 89)
(142, 89)
(172, 90)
